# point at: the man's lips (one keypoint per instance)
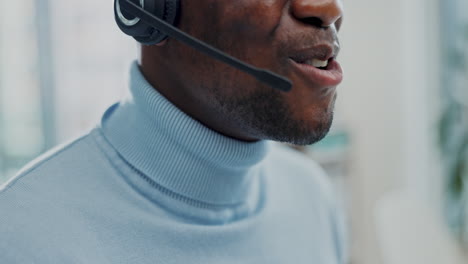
(327, 77)
(324, 51)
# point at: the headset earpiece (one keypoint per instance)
(167, 10)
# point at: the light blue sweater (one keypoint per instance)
(152, 185)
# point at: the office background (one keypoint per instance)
(64, 62)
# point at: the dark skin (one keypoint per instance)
(264, 33)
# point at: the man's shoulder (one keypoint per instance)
(41, 202)
(57, 177)
(57, 162)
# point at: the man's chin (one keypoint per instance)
(308, 133)
(267, 115)
(303, 135)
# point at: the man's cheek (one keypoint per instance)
(253, 20)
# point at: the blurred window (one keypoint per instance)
(21, 117)
(63, 63)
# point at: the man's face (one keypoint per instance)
(280, 35)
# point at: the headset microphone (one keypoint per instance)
(160, 29)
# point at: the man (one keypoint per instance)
(183, 169)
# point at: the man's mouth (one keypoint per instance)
(321, 64)
(318, 65)
(326, 74)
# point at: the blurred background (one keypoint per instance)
(398, 151)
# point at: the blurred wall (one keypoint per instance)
(388, 99)
(91, 63)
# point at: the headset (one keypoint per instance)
(152, 21)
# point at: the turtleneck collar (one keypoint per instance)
(178, 152)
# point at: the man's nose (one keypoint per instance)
(321, 13)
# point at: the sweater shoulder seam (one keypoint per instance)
(21, 174)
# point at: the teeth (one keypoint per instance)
(317, 63)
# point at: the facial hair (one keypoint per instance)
(266, 115)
